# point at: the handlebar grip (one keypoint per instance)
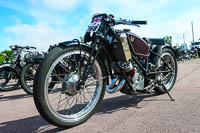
(33, 47)
(17, 46)
(139, 22)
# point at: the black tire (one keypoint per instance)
(8, 79)
(39, 92)
(172, 80)
(27, 75)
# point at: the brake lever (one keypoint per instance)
(137, 25)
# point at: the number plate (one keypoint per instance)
(95, 24)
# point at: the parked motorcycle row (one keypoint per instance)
(21, 70)
(73, 76)
(183, 55)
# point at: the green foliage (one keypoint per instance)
(9, 55)
(168, 39)
(2, 59)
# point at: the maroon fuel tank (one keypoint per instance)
(138, 46)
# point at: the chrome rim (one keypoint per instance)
(29, 76)
(64, 100)
(167, 78)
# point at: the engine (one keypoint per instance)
(121, 48)
(122, 52)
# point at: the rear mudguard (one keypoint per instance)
(103, 55)
(158, 50)
(170, 47)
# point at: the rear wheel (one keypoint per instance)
(68, 104)
(168, 62)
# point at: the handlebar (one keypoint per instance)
(125, 22)
(139, 22)
(15, 47)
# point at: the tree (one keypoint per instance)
(2, 59)
(168, 39)
(9, 55)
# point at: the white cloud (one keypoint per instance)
(52, 26)
(129, 8)
(61, 4)
(40, 35)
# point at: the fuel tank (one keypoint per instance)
(138, 46)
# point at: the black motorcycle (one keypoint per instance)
(108, 60)
(29, 70)
(10, 71)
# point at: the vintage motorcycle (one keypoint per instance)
(108, 60)
(10, 71)
(29, 70)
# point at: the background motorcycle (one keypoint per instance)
(132, 64)
(10, 71)
(29, 70)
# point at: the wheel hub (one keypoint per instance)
(69, 85)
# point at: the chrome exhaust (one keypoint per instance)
(110, 88)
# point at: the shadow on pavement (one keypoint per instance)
(38, 124)
(122, 102)
(28, 125)
(14, 97)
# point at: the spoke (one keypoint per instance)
(55, 81)
(54, 98)
(99, 79)
(59, 101)
(71, 104)
(67, 102)
(164, 77)
(63, 66)
(91, 84)
(89, 92)
(58, 77)
(80, 95)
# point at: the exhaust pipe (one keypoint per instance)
(110, 88)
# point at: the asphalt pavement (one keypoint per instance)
(118, 113)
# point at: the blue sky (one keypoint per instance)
(41, 23)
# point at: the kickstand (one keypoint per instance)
(167, 93)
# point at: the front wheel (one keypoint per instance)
(8, 78)
(26, 77)
(165, 63)
(67, 104)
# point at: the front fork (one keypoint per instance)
(91, 59)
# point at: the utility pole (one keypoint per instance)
(192, 32)
(184, 38)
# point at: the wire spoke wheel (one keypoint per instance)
(71, 100)
(168, 78)
(8, 79)
(27, 76)
(167, 63)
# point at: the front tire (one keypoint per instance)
(26, 77)
(50, 103)
(8, 78)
